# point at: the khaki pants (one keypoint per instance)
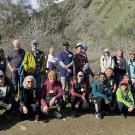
(66, 81)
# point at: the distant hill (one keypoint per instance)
(101, 23)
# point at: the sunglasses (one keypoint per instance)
(30, 81)
(1, 76)
(80, 75)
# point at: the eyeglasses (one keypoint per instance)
(30, 81)
(80, 76)
(1, 76)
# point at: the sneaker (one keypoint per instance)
(123, 116)
(98, 116)
(57, 115)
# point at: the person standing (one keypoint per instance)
(14, 62)
(106, 61)
(81, 64)
(52, 61)
(66, 61)
(2, 61)
(120, 66)
(34, 63)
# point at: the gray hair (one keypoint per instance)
(26, 79)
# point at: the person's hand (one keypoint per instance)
(66, 66)
(83, 98)
(130, 109)
(69, 70)
(107, 101)
(25, 110)
(12, 69)
(45, 109)
(8, 107)
(51, 103)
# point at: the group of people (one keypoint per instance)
(41, 85)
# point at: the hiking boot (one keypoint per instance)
(58, 115)
(98, 116)
(123, 116)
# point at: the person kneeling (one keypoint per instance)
(125, 99)
(78, 93)
(29, 98)
(52, 95)
(102, 94)
(7, 92)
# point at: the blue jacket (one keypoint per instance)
(131, 68)
(102, 90)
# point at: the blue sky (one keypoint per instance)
(35, 4)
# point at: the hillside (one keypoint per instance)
(101, 23)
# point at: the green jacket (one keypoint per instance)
(125, 97)
(29, 62)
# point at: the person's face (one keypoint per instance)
(30, 83)
(51, 52)
(80, 77)
(66, 47)
(132, 57)
(34, 47)
(119, 54)
(16, 44)
(79, 49)
(123, 87)
(107, 53)
(109, 72)
(126, 78)
(52, 79)
(102, 78)
(2, 81)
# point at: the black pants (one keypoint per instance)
(32, 109)
(122, 108)
(83, 104)
(101, 106)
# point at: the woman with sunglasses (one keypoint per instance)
(78, 93)
(124, 98)
(29, 98)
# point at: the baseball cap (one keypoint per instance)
(34, 42)
(124, 82)
(78, 45)
(80, 73)
(106, 50)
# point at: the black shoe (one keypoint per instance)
(58, 115)
(75, 113)
(123, 116)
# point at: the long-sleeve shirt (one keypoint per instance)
(66, 58)
(7, 92)
(29, 97)
(80, 60)
(50, 90)
(78, 90)
(102, 90)
(125, 97)
(131, 68)
(106, 62)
